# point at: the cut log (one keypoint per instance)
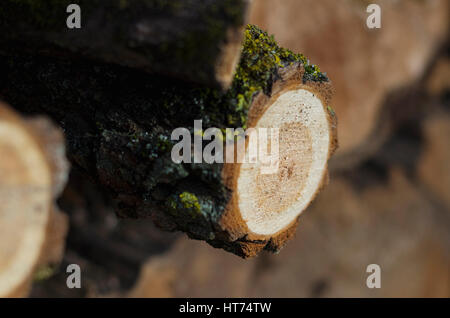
(118, 123)
(33, 172)
(196, 40)
(264, 208)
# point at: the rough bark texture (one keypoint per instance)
(33, 172)
(197, 40)
(118, 124)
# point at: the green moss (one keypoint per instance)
(185, 202)
(189, 201)
(260, 59)
(331, 110)
(44, 273)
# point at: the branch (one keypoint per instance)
(118, 124)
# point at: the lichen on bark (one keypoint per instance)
(260, 61)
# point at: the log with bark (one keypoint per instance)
(118, 123)
(196, 40)
(33, 172)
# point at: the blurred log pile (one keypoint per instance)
(388, 202)
(122, 84)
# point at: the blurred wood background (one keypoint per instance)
(388, 201)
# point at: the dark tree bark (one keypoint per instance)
(195, 40)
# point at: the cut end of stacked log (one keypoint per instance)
(33, 172)
(264, 208)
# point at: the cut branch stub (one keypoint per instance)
(264, 207)
(33, 172)
(194, 40)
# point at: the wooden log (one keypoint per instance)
(195, 40)
(33, 172)
(118, 124)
